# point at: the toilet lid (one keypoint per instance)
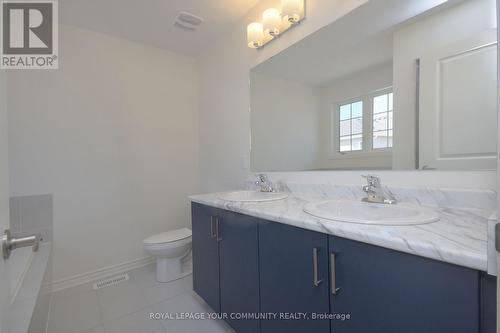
(168, 237)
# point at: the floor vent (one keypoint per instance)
(110, 281)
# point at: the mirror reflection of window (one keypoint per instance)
(382, 121)
(351, 127)
(376, 108)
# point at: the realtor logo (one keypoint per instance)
(29, 34)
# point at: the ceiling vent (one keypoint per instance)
(187, 21)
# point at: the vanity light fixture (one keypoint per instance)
(275, 22)
(255, 35)
(293, 10)
(271, 21)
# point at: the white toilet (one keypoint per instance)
(169, 248)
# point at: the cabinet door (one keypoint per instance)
(239, 269)
(488, 303)
(287, 279)
(386, 291)
(205, 255)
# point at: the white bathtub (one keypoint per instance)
(30, 277)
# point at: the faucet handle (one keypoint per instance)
(373, 180)
(262, 177)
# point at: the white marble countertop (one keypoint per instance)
(492, 251)
(460, 237)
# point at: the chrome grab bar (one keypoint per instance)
(10, 243)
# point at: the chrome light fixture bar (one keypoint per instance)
(275, 22)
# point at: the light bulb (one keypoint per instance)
(255, 35)
(292, 9)
(271, 20)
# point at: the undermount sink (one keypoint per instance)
(371, 213)
(252, 196)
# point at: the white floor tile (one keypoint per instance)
(74, 310)
(138, 322)
(195, 326)
(144, 276)
(188, 282)
(125, 308)
(189, 303)
(98, 329)
(121, 299)
(163, 291)
(75, 291)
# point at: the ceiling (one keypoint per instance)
(356, 42)
(151, 21)
(319, 62)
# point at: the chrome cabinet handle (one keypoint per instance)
(217, 233)
(316, 280)
(333, 273)
(9, 243)
(212, 227)
(497, 237)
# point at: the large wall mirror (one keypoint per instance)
(388, 86)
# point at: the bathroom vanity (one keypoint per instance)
(382, 88)
(304, 274)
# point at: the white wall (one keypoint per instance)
(285, 121)
(410, 42)
(4, 165)
(5, 295)
(113, 135)
(340, 90)
(224, 93)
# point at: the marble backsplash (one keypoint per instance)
(446, 198)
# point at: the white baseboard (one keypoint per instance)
(87, 277)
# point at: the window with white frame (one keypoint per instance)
(364, 124)
(382, 121)
(351, 126)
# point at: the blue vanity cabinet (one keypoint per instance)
(239, 269)
(244, 265)
(288, 259)
(226, 263)
(488, 303)
(386, 291)
(205, 250)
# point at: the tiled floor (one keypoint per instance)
(126, 307)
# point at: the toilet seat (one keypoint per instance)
(160, 248)
(169, 237)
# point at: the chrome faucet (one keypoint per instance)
(376, 193)
(264, 183)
